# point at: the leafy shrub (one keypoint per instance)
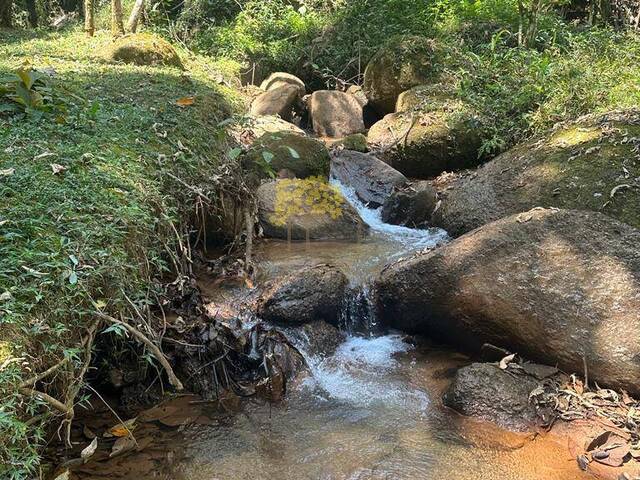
(29, 91)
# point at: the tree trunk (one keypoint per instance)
(117, 24)
(6, 7)
(33, 13)
(134, 18)
(89, 20)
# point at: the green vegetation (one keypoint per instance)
(93, 200)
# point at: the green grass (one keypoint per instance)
(103, 228)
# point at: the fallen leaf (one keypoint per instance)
(63, 476)
(87, 432)
(44, 155)
(5, 296)
(7, 171)
(504, 363)
(121, 429)
(57, 168)
(89, 450)
(185, 101)
(122, 445)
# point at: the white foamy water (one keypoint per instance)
(414, 239)
(363, 372)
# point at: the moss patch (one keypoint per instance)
(143, 49)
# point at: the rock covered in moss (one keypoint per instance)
(296, 154)
(335, 114)
(279, 79)
(356, 142)
(424, 97)
(143, 49)
(246, 130)
(406, 61)
(307, 295)
(423, 143)
(591, 163)
(310, 208)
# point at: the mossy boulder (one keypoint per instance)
(307, 209)
(588, 164)
(143, 49)
(422, 143)
(296, 154)
(356, 142)
(246, 130)
(405, 62)
(424, 97)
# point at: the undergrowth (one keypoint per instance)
(93, 202)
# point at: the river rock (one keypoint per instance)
(279, 101)
(485, 391)
(424, 97)
(279, 79)
(307, 295)
(335, 114)
(358, 92)
(410, 205)
(589, 164)
(557, 286)
(425, 143)
(299, 155)
(248, 129)
(372, 179)
(308, 208)
(356, 142)
(320, 339)
(405, 62)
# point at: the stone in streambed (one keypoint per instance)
(372, 179)
(557, 286)
(410, 205)
(279, 101)
(335, 114)
(279, 79)
(307, 295)
(310, 208)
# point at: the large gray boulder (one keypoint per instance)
(558, 286)
(335, 114)
(410, 205)
(311, 208)
(372, 179)
(279, 101)
(307, 295)
(485, 391)
(591, 163)
(278, 79)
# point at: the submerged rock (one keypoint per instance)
(406, 61)
(558, 286)
(424, 143)
(143, 49)
(410, 205)
(372, 179)
(335, 114)
(301, 155)
(485, 391)
(591, 164)
(307, 295)
(279, 101)
(279, 79)
(311, 208)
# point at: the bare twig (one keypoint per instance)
(36, 378)
(173, 380)
(57, 404)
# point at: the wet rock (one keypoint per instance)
(410, 205)
(279, 79)
(320, 338)
(589, 164)
(554, 285)
(307, 295)
(372, 179)
(143, 49)
(485, 391)
(279, 101)
(335, 114)
(405, 62)
(301, 155)
(313, 209)
(424, 143)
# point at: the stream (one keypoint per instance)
(369, 411)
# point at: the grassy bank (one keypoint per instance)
(93, 198)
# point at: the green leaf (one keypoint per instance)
(293, 153)
(73, 278)
(234, 153)
(74, 260)
(268, 157)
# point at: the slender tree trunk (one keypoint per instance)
(89, 20)
(117, 24)
(33, 13)
(6, 7)
(134, 18)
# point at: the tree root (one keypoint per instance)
(173, 380)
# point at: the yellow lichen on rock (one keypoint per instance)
(304, 197)
(143, 49)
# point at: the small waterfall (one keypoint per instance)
(358, 316)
